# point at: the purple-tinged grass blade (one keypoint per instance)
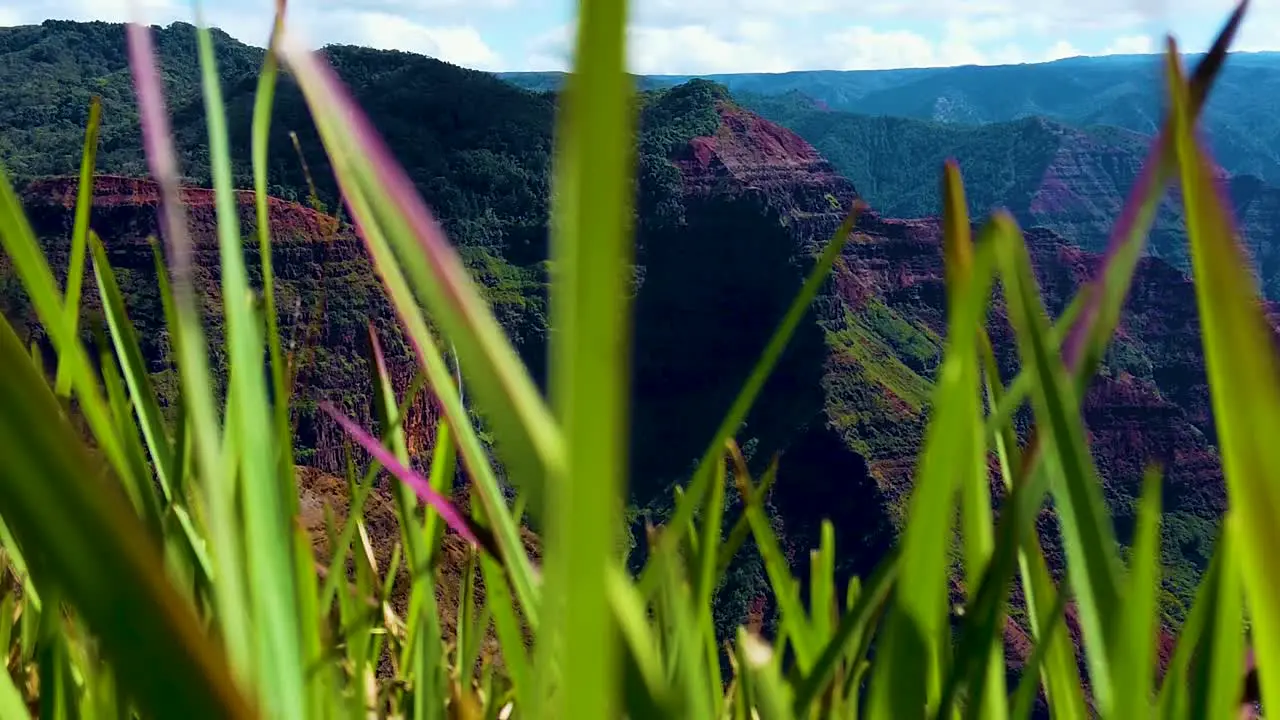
(1085, 343)
(529, 438)
(361, 189)
(193, 357)
(456, 520)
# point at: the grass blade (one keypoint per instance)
(193, 357)
(676, 526)
(261, 133)
(1088, 536)
(1086, 344)
(1025, 696)
(93, 547)
(267, 518)
(786, 589)
(907, 679)
(125, 339)
(386, 208)
(1244, 381)
(976, 521)
(854, 625)
(1216, 677)
(589, 377)
(32, 267)
(79, 236)
(1135, 663)
(320, 86)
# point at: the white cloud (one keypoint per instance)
(1061, 49)
(705, 36)
(862, 48)
(459, 44)
(691, 48)
(404, 7)
(745, 42)
(1131, 45)
(125, 10)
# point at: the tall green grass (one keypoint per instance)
(158, 570)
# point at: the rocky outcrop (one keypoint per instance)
(882, 319)
(327, 293)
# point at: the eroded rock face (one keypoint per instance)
(883, 321)
(327, 293)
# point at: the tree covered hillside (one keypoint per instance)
(1242, 117)
(1069, 179)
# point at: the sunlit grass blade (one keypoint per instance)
(1216, 676)
(686, 670)
(1088, 537)
(319, 694)
(907, 678)
(79, 236)
(261, 133)
(95, 549)
(638, 645)
(786, 588)
(507, 625)
(737, 413)
(854, 627)
(975, 490)
(707, 580)
(143, 497)
(772, 695)
(1060, 674)
(1135, 659)
(1244, 380)
(125, 339)
(822, 580)
(11, 702)
(1038, 663)
(193, 357)
(267, 511)
(591, 250)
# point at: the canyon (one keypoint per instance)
(731, 210)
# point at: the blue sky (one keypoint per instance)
(710, 36)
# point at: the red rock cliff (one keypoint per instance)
(327, 294)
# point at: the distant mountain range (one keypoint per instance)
(1125, 91)
(1059, 143)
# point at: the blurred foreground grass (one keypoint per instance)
(158, 569)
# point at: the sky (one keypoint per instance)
(717, 36)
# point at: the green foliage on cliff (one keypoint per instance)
(892, 160)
